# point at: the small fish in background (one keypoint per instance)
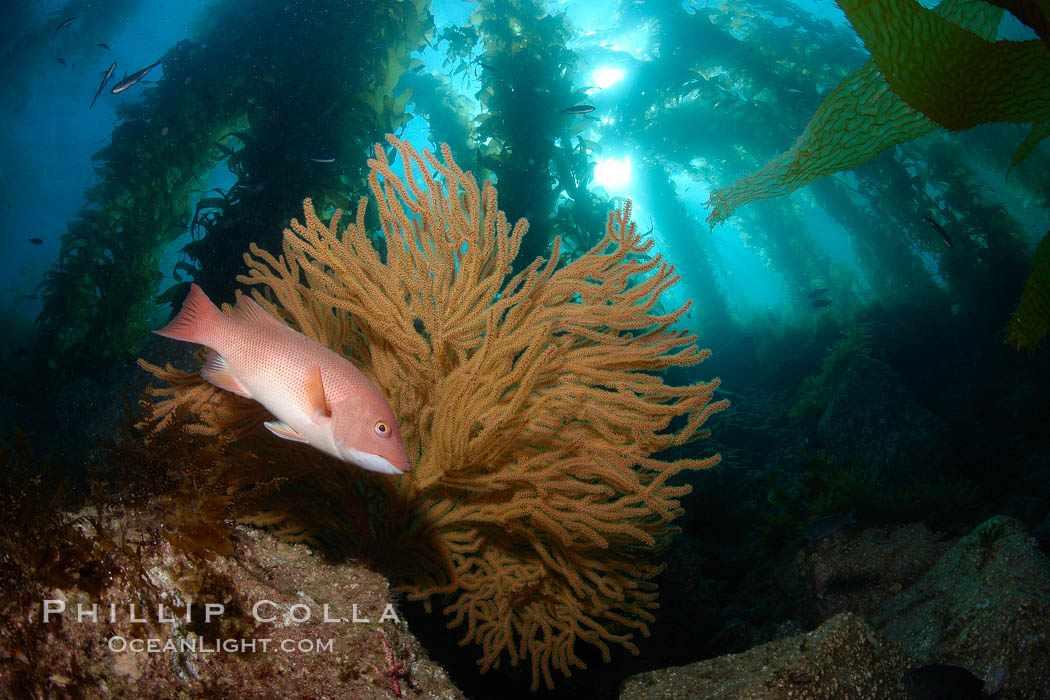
(36, 241)
(818, 292)
(62, 61)
(828, 526)
(820, 303)
(577, 109)
(63, 25)
(132, 79)
(20, 353)
(31, 296)
(939, 229)
(102, 85)
(316, 395)
(321, 159)
(249, 188)
(104, 46)
(943, 682)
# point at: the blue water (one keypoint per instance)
(49, 135)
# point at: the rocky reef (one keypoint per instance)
(979, 614)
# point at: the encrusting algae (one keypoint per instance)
(531, 407)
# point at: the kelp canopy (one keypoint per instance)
(532, 405)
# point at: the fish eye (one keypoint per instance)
(382, 429)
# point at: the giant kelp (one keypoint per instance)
(98, 296)
(954, 76)
(225, 97)
(527, 77)
(531, 404)
(1030, 322)
(951, 73)
(721, 64)
(301, 135)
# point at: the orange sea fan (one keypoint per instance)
(533, 407)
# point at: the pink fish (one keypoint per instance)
(317, 395)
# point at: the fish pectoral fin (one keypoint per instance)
(283, 430)
(218, 373)
(250, 311)
(317, 407)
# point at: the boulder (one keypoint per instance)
(843, 658)
(984, 605)
(859, 572)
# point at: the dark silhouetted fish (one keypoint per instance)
(104, 46)
(62, 61)
(322, 159)
(36, 241)
(577, 109)
(254, 188)
(942, 682)
(818, 292)
(63, 25)
(102, 85)
(821, 303)
(31, 296)
(828, 526)
(939, 229)
(133, 78)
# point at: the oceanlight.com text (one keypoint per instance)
(199, 645)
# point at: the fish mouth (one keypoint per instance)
(374, 462)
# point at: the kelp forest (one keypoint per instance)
(654, 289)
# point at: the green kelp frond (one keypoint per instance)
(928, 68)
(1031, 320)
(1034, 13)
(956, 77)
(858, 119)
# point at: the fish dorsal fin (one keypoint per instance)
(316, 404)
(248, 310)
(283, 430)
(217, 372)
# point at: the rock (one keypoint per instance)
(872, 417)
(984, 605)
(308, 637)
(843, 658)
(859, 573)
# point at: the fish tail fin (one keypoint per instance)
(196, 321)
